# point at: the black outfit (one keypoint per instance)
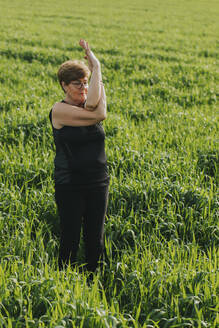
(81, 190)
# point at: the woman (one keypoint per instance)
(81, 175)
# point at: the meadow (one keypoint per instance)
(160, 64)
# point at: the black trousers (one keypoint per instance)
(79, 208)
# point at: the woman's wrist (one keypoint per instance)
(96, 66)
(93, 59)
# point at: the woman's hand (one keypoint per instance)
(93, 62)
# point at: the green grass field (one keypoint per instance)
(160, 64)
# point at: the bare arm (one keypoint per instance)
(94, 90)
(65, 114)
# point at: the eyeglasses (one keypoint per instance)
(79, 85)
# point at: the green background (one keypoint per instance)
(160, 69)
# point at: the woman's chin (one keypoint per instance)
(79, 100)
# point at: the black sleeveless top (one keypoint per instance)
(80, 159)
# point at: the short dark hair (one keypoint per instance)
(72, 70)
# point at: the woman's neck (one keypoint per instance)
(70, 101)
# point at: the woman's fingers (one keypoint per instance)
(84, 44)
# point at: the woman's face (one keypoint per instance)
(76, 91)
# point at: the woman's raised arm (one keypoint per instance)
(94, 90)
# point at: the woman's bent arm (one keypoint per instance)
(65, 114)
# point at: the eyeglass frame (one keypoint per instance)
(79, 84)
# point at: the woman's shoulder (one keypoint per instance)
(53, 113)
(57, 105)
